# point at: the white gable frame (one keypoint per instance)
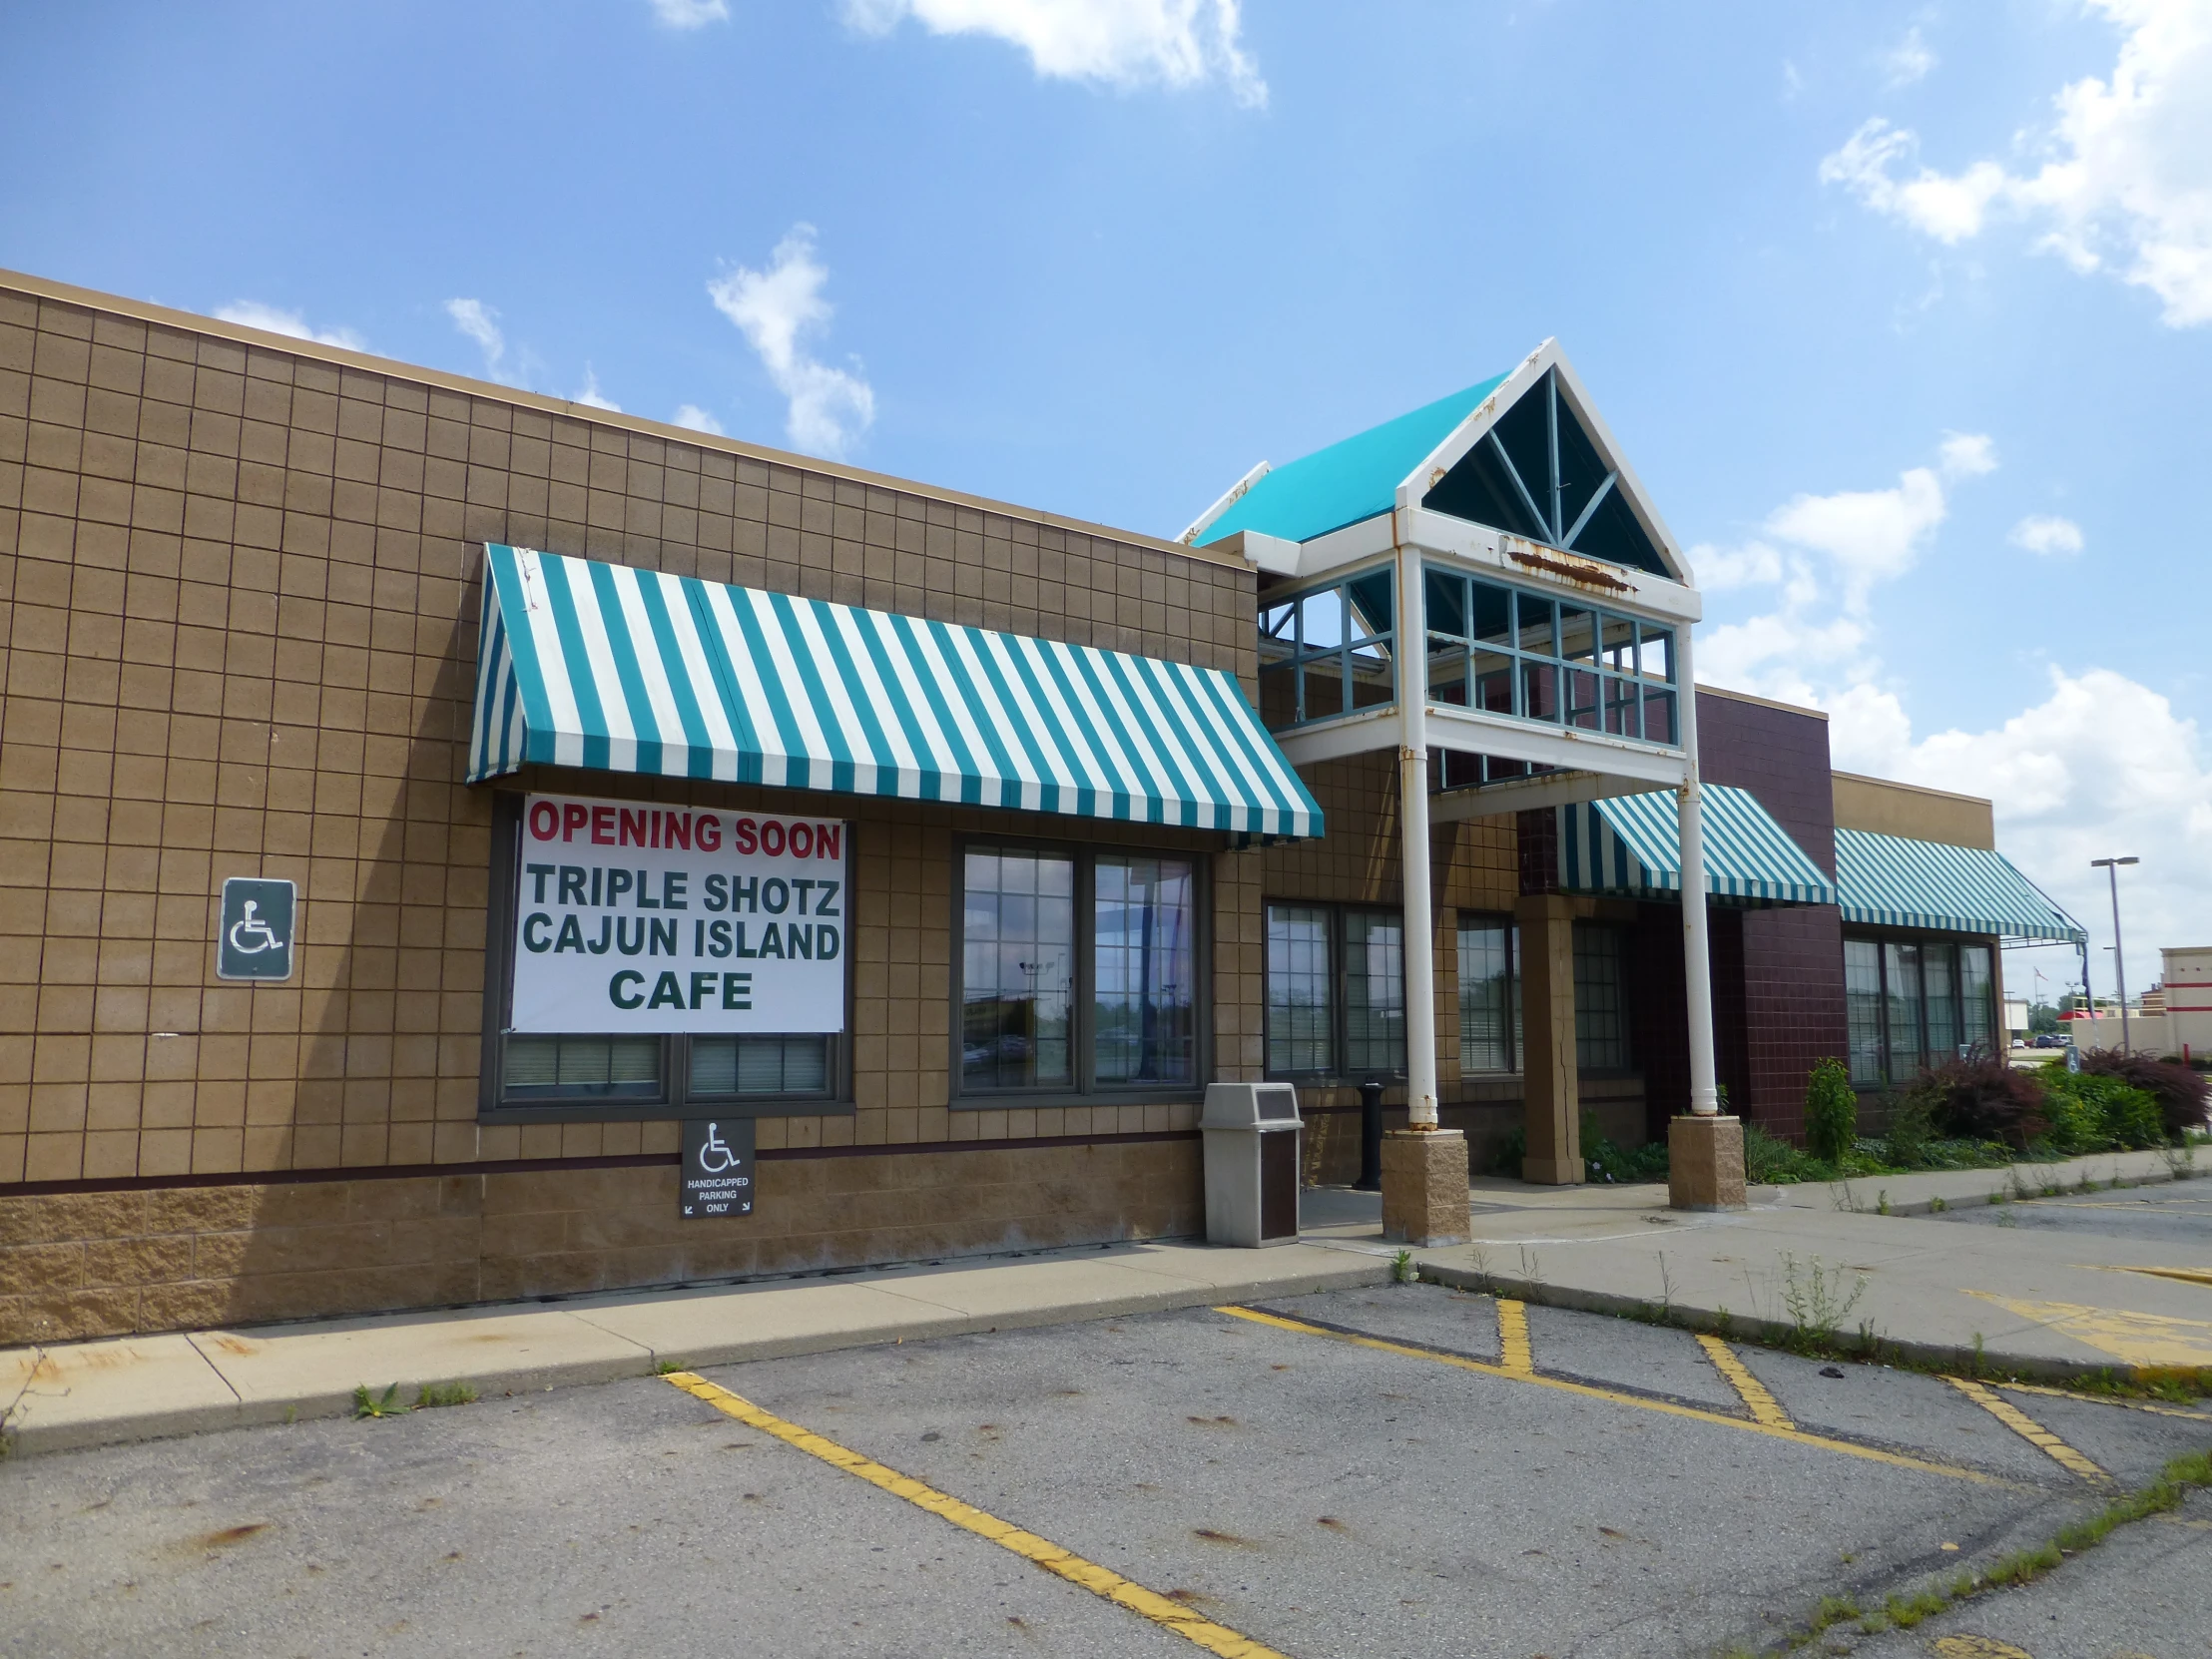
(1486, 414)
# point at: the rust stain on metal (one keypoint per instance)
(1590, 576)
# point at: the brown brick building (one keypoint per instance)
(244, 587)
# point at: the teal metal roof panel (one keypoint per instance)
(1632, 843)
(1896, 882)
(607, 667)
(1353, 479)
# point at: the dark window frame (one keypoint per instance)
(1340, 1001)
(674, 1100)
(1988, 1038)
(1515, 1035)
(1085, 1089)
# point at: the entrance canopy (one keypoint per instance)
(601, 666)
(1631, 843)
(1894, 881)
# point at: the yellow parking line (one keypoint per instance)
(1100, 1581)
(2106, 1400)
(2028, 1430)
(1512, 1336)
(1667, 1408)
(1752, 1393)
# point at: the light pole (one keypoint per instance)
(2110, 866)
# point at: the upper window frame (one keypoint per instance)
(1082, 1015)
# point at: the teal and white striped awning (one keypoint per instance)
(1894, 881)
(1632, 843)
(584, 664)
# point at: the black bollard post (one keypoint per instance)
(1370, 1139)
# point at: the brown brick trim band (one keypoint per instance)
(546, 1166)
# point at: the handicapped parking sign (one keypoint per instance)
(718, 1168)
(257, 935)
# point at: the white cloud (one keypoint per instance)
(2125, 181)
(698, 419)
(691, 14)
(1908, 61)
(481, 324)
(592, 397)
(252, 314)
(1123, 43)
(1968, 454)
(2043, 534)
(1826, 554)
(1753, 563)
(776, 309)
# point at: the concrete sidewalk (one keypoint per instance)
(139, 1388)
(2041, 1304)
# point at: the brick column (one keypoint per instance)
(1550, 1077)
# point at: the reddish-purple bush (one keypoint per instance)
(1983, 1100)
(2183, 1095)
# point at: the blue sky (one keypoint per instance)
(1903, 313)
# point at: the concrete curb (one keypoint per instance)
(2006, 1194)
(1763, 1332)
(332, 1395)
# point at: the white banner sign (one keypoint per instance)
(632, 919)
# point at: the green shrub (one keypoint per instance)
(2182, 1093)
(2077, 1122)
(2100, 1111)
(1906, 1141)
(1772, 1161)
(1513, 1149)
(1831, 1112)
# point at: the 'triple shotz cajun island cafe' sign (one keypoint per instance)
(638, 918)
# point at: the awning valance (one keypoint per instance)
(1894, 881)
(1632, 843)
(585, 664)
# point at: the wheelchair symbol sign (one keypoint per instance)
(257, 930)
(718, 1168)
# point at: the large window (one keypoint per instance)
(1335, 992)
(1078, 971)
(1327, 652)
(1600, 1001)
(1489, 997)
(1509, 652)
(1914, 1003)
(1863, 1008)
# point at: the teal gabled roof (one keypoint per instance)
(1351, 480)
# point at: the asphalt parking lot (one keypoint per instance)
(1406, 1471)
(2178, 1214)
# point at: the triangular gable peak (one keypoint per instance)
(1536, 461)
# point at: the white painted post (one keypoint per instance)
(1412, 813)
(1697, 955)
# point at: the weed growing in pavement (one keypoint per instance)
(1980, 1363)
(1402, 1271)
(2009, 1218)
(2180, 1161)
(1904, 1611)
(1532, 1269)
(666, 1367)
(1816, 1301)
(1936, 1206)
(444, 1394)
(1881, 1201)
(385, 1404)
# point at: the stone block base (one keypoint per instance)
(1424, 1187)
(1704, 1163)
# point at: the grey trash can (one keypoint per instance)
(1252, 1163)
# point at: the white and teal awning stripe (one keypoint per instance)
(1894, 881)
(614, 669)
(1632, 843)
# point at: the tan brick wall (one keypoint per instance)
(80, 1264)
(241, 590)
